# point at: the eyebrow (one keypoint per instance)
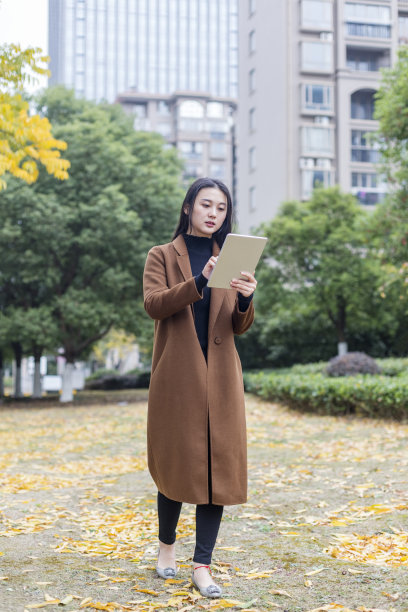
(208, 200)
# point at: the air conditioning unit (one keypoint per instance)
(323, 120)
(306, 162)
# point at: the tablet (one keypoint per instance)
(238, 253)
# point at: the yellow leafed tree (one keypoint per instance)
(25, 139)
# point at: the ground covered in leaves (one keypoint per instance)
(325, 527)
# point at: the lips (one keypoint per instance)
(210, 223)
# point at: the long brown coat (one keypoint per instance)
(190, 399)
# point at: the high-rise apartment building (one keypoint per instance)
(199, 126)
(101, 48)
(309, 70)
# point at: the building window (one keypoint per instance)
(252, 158)
(317, 14)
(252, 120)
(362, 150)
(191, 125)
(316, 56)
(252, 80)
(215, 110)
(362, 104)
(252, 199)
(251, 41)
(403, 29)
(367, 60)
(317, 97)
(369, 198)
(364, 179)
(163, 108)
(314, 178)
(218, 149)
(369, 30)
(217, 171)
(317, 141)
(367, 13)
(192, 171)
(140, 110)
(191, 108)
(191, 149)
(164, 128)
(252, 7)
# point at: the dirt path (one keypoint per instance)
(325, 527)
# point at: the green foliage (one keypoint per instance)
(78, 248)
(100, 374)
(308, 388)
(391, 110)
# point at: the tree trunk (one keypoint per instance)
(67, 383)
(342, 347)
(18, 355)
(1, 375)
(37, 390)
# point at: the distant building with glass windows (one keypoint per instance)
(201, 127)
(309, 70)
(101, 48)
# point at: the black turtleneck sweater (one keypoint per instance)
(199, 251)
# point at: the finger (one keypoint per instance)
(248, 275)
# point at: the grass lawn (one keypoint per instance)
(325, 526)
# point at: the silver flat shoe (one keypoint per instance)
(213, 590)
(167, 572)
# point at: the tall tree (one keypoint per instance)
(89, 235)
(320, 254)
(390, 222)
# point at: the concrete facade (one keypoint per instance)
(308, 73)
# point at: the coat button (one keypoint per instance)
(217, 340)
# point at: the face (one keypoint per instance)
(209, 212)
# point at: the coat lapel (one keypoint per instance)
(217, 297)
(183, 259)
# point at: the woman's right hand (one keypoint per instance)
(209, 267)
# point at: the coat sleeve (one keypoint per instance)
(242, 321)
(160, 301)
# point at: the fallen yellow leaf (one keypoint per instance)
(43, 604)
(322, 569)
(147, 591)
(393, 597)
(278, 592)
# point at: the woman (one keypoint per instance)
(196, 432)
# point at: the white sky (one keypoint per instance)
(25, 22)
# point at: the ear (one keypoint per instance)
(185, 211)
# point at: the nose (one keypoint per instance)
(213, 212)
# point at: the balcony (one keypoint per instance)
(367, 60)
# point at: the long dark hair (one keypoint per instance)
(184, 224)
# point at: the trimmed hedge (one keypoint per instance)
(365, 395)
(110, 380)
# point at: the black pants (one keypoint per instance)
(208, 520)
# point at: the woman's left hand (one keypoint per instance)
(246, 286)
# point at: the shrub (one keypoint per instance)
(100, 373)
(374, 396)
(351, 364)
(111, 381)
